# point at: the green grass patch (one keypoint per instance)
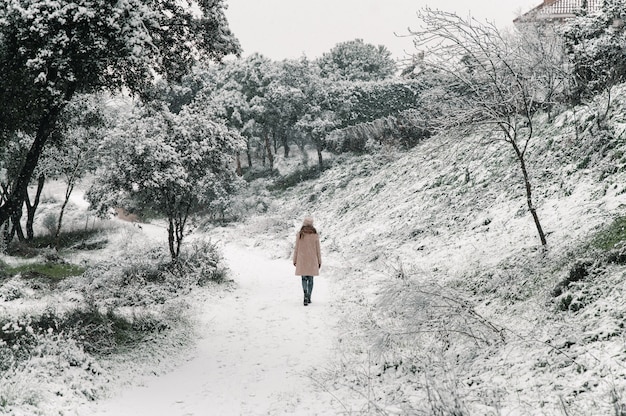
(54, 271)
(612, 235)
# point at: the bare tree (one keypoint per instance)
(486, 81)
(545, 59)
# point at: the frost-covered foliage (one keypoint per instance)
(231, 92)
(403, 130)
(45, 45)
(71, 336)
(490, 84)
(595, 44)
(294, 102)
(146, 276)
(73, 152)
(174, 165)
(356, 61)
(40, 364)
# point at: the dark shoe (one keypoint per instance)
(306, 301)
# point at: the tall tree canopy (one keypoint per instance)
(356, 60)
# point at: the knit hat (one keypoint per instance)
(308, 221)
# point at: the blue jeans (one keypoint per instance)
(307, 286)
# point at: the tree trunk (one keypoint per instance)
(239, 171)
(179, 237)
(170, 238)
(305, 155)
(15, 199)
(32, 208)
(68, 193)
(249, 153)
(320, 162)
(261, 150)
(71, 181)
(7, 233)
(268, 148)
(176, 230)
(285, 144)
(17, 226)
(529, 195)
(275, 142)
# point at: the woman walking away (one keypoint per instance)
(307, 256)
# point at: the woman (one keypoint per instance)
(307, 256)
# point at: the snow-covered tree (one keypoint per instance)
(488, 82)
(74, 147)
(175, 165)
(596, 46)
(52, 49)
(544, 52)
(356, 60)
(230, 89)
(320, 114)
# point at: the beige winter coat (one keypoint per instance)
(307, 256)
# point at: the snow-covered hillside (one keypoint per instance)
(450, 304)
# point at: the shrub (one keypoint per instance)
(34, 354)
(11, 290)
(199, 264)
(149, 277)
(288, 181)
(50, 223)
(251, 174)
(103, 333)
(82, 239)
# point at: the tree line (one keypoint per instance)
(197, 121)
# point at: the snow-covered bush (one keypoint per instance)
(595, 45)
(200, 263)
(254, 199)
(12, 289)
(143, 276)
(19, 390)
(104, 333)
(36, 352)
(298, 176)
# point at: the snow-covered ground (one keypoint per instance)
(257, 348)
(435, 296)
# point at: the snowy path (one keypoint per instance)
(259, 344)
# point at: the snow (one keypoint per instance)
(395, 228)
(258, 346)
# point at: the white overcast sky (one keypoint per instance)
(281, 29)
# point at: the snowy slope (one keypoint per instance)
(447, 294)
